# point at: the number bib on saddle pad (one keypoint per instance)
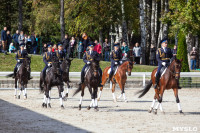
(162, 71)
(114, 69)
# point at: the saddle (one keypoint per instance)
(162, 71)
(114, 70)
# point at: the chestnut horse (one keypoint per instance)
(120, 78)
(167, 81)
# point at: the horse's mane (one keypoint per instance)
(126, 63)
(173, 61)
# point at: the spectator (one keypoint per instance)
(21, 38)
(98, 48)
(80, 50)
(72, 45)
(28, 44)
(34, 43)
(4, 39)
(152, 55)
(9, 39)
(65, 43)
(12, 48)
(15, 38)
(193, 58)
(85, 41)
(174, 51)
(44, 49)
(54, 49)
(106, 47)
(125, 50)
(137, 53)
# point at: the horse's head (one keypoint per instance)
(27, 63)
(177, 67)
(130, 67)
(95, 67)
(55, 65)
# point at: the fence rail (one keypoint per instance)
(143, 75)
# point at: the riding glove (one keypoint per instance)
(116, 63)
(88, 62)
(120, 62)
(164, 63)
(18, 60)
(49, 64)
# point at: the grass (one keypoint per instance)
(8, 63)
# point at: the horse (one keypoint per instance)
(65, 69)
(53, 78)
(167, 81)
(120, 78)
(21, 78)
(92, 80)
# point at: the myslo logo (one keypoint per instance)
(185, 129)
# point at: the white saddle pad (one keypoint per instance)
(114, 72)
(162, 73)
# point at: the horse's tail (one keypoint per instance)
(145, 90)
(10, 75)
(78, 90)
(40, 84)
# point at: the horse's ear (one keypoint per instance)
(181, 60)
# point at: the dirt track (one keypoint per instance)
(28, 115)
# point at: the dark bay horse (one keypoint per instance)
(92, 79)
(120, 78)
(53, 78)
(65, 68)
(167, 81)
(21, 78)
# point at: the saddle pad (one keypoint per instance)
(162, 71)
(49, 68)
(86, 70)
(18, 66)
(115, 70)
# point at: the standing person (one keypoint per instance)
(85, 41)
(44, 49)
(72, 45)
(152, 55)
(28, 44)
(174, 51)
(98, 48)
(80, 50)
(193, 58)
(15, 38)
(65, 42)
(4, 39)
(9, 40)
(21, 38)
(137, 53)
(12, 48)
(54, 48)
(125, 50)
(34, 44)
(106, 47)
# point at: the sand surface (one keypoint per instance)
(19, 115)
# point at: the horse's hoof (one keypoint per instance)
(150, 110)
(88, 108)
(79, 107)
(163, 112)
(126, 101)
(49, 105)
(25, 98)
(66, 94)
(96, 109)
(64, 98)
(181, 112)
(19, 97)
(43, 105)
(62, 107)
(15, 97)
(98, 99)
(155, 112)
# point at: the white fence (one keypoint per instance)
(142, 75)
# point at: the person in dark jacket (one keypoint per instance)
(106, 48)
(80, 50)
(152, 55)
(9, 40)
(44, 49)
(87, 58)
(4, 39)
(65, 43)
(15, 38)
(174, 51)
(115, 57)
(85, 41)
(34, 43)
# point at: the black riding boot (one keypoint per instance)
(82, 79)
(178, 84)
(110, 77)
(157, 81)
(15, 72)
(100, 83)
(29, 76)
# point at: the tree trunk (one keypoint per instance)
(190, 44)
(153, 37)
(198, 49)
(148, 29)
(160, 36)
(142, 29)
(165, 26)
(20, 19)
(124, 24)
(156, 22)
(120, 33)
(100, 37)
(62, 21)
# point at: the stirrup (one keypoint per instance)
(156, 86)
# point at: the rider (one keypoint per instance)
(115, 58)
(21, 54)
(47, 59)
(87, 58)
(163, 56)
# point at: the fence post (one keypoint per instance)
(144, 80)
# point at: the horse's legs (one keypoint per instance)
(82, 94)
(25, 91)
(113, 92)
(152, 105)
(159, 98)
(15, 94)
(121, 85)
(95, 99)
(20, 88)
(104, 79)
(177, 100)
(60, 90)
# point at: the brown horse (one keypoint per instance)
(120, 78)
(167, 81)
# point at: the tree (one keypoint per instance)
(20, 19)
(62, 20)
